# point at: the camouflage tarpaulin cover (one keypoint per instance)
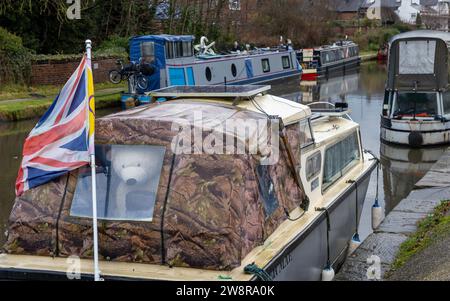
(213, 215)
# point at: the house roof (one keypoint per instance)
(429, 2)
(355, 5)
(344, 6)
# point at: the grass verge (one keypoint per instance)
(429, 230)
(14, 91)
(15, 111)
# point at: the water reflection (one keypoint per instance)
(403, 168)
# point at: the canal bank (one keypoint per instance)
(377, 255)
(33, 107)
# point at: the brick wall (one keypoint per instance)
(57, 73)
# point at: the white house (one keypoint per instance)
(408, 11)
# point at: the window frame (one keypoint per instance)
(314, 175)
(268, 65)
(347, 168)
(208, 71)
(395, 105)
(76, 212)
(286, 58)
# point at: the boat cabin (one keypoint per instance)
(418, 76)
(417, 96)
(199, 187)
(329, 60)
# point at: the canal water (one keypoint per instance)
(363, 91)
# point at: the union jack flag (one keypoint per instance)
(63, 139)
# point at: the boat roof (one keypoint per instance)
(164, 38)
(422, 34)
(211, 91)
(416, 66)
(246, 97)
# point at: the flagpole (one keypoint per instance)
(94, 188)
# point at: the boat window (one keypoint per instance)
(233, 70)
(306, 133)
(127, 182)
(179, 49)
(265, 65)
(313, 166)
(208, 74)
(148, 51)
(187, 49)
(169, 50)
(339, 158)
(446, 100)
(286, 62)
(417, 57)
(415, 105)
(267, 189)
(325, 57)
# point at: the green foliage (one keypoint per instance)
(429, 230)
(375, 37)
(15, 59)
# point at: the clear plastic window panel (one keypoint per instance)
(415, 105)
(267, 189)
(127, 183)
(340, 157)
(313, 165)
(417, 57)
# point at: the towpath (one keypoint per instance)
(379, 250)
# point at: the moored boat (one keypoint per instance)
(330, 60)
(416, 109)
(184, 193)
(176, 63)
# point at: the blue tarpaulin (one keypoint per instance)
(160, 54)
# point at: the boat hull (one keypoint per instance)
(306, 256)
(302, 259)
(415, 133)
(339, 68)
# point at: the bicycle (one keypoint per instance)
(140, 72)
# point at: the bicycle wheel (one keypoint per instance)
(115, 77)
(142, 82)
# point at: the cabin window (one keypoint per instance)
(127, 182)
(446, 101)
(267, 189)
(233, 70)
(417, 57)
(148, 52)
(415, 105)
(208, 74)
(265, 65)
(169, 50)
(187, 49)
(306, 135)
(339, 158)
(313, 166)
(286, 62)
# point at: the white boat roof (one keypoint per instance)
(211, 91)
(289, 111)
(248, 97)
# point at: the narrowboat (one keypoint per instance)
(416, 109)
(215, 183)
(176, 63)
(330, 60)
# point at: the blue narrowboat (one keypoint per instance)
(175, 63)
